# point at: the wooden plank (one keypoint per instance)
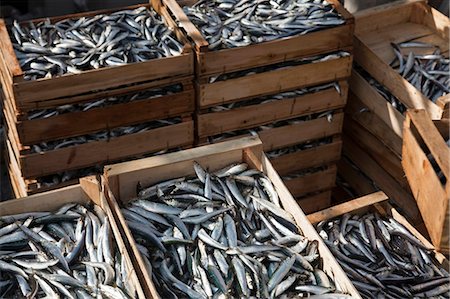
(387, 15)
(28, 92)
(368, 119)
(313, 157)
(317, 202)
(7, 50)
(92, 153)
(241, 58)
(329, 263)
(395, 83)
(128, 173)
(98, 94)
(309, 183)
(433, 140)
(347, 207)
(398, 33)
(422, 177)
(381, 178)
(254, 115)
(432, 18)
(370, 97)
(384, 157)
(355, 179)
(290, 135)
(15, 176)
(103, 118)
(212, 157)
(272, 82)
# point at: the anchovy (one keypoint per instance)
(238, 23)
(221, 255)
(390, 268)
(430, 73)
(62, 268)
(46, 49)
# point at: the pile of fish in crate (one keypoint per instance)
(402, 62)
(278, 70)
(83, 90)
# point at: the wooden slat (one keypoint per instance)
(285, 136)
(317, 181)
(8, 51)
(317, 202)
(347, 207)
(378, 17)
(241, 58)
(432, 138)
(376, 103)
(381, 178)
(84, 122)
(356, 180)
(432, 18)
(395, 83)
(274, 81)
(99, 94)
(313, 157)
(251, 116)
(384, 157)
(431, 196)
(71, 84)
(92, 153)
(368, 119)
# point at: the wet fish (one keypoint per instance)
(50, 264)
(429, 73)
(237, 23)
(221, 255)
(389, 261)
(46, 49)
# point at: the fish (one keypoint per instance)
(238, 23)
(220, 255)
(47, 50)
(429, 73)
(57, 266)
(389, 261)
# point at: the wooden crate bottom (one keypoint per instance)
(323, 179)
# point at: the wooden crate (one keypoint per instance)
(87, 191)
(271, 82)
(42, 93)
(78, 123)
(423, 142)
(34, 165)
(213, 123)
(375, 202)
(401, 21)
(121, 180)
(210, 63)
(375, 129)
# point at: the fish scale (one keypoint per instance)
(230, 261)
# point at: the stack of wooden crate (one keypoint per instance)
(28, 163)
(235, 91)
(373, 127)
